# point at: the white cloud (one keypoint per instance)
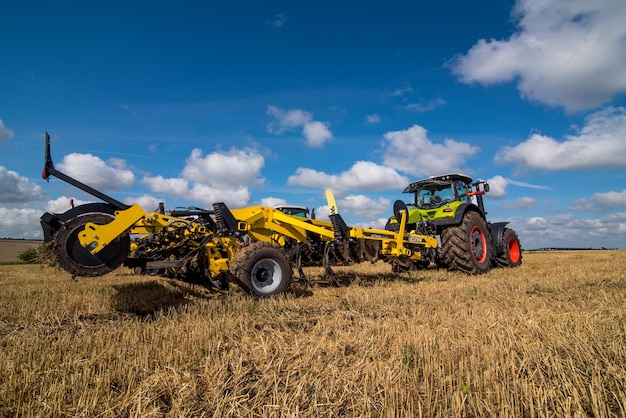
(566, 230)
(521, 203)
(564, 53)
(307, 177)
(600, 143)
(5, 133)
(372, 119)
(602, 201)
(221, 176)
(377, 223)
(315, 132)
(171, 186)
(362, 176)
(225, 169)
(529, 185)
(233, 197)
(286, 119)
(20, 223)
(364, 207)
(497, 186)
(17, 189)
(323, 212)
(63, 203)
(147, 202)
(118, 163)
(91, 170)
(271, 202)
(411, 151)
(425, 107)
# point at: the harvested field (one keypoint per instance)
(547, 339)
(10, 249)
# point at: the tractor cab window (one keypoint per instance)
(462, 190)
(299, 211)
(433, 197)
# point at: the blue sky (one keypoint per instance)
(273, 102)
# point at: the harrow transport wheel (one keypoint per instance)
(79, 261)
(512, 251)
(262, 268)
(467, 247)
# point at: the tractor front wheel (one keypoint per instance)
(263, 269)
(467, 247)
(512, 252)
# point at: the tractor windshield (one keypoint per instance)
(301, 211)
(433, 197)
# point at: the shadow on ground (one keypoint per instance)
(145, 299)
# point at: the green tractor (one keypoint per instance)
(451, 208)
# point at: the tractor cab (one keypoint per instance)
(432, 194)
(438, 197)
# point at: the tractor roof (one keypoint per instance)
(436, 182)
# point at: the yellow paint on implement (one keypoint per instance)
(95, 237)
(332, 204)
(261, 224)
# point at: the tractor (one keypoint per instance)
(451, 208)
(259, 247)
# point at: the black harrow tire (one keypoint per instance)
(512, 250)
(262, 269)
(467, 247)
(77, 260)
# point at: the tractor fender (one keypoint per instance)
(52, 222)
(458, 216)
(497, 232)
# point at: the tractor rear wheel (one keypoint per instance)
(512, 252)
(263, 269)
(78, 260)
(467, 247)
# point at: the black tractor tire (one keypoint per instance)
(262, 269)
(467, 247)
(77, 260)
(512, 250)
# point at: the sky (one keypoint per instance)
(263, 103)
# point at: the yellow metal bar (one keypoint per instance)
(95, 237)
(393, 243)
(332, 204)
(324, 229)
(258, 218)
(400, 248)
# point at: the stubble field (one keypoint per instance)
(547, 339)
(10, 249)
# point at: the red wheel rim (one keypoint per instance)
(514, 252)
(478, 244)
